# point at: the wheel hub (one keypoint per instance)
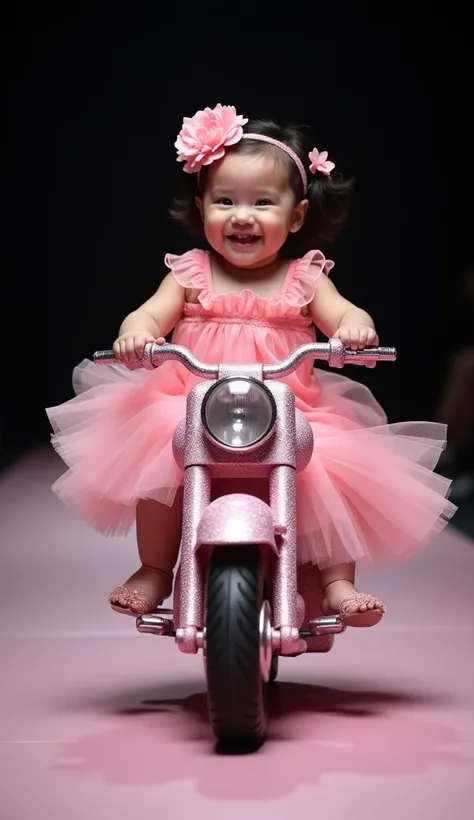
(266, 649)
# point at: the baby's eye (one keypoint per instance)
(262, 202)
(224, 200)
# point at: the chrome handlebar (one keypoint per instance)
(332, 351)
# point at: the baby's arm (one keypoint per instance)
(338, 318)
(152, 321)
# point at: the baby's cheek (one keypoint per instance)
(273, 223)
(214, 223)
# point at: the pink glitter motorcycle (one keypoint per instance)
(239, 594)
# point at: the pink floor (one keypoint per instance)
(98, 721)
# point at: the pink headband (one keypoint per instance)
(284, 148)
(204, 138)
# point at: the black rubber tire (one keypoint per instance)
(237, 693)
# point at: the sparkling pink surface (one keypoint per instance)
(98, 721)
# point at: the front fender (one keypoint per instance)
(237, 519)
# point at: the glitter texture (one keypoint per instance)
(304, 441)
(258, 462)
(241, 518)
(237, 519)
(197, 496)
(284, 604)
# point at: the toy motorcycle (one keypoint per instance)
(239, 595)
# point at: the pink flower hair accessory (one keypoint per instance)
(204, 137)
(319, 162)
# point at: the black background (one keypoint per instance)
(94, 101)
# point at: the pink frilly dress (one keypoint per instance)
(369, 492)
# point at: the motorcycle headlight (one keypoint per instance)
(238, 412)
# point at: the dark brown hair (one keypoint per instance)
(328, 195)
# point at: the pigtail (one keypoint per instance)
(329, 200)
(183, 206)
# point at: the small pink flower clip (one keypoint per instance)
(319, 162)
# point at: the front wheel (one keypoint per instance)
(238, 646)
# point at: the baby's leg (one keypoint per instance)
(357, 609)
(158, 535)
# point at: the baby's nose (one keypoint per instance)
(242, 217)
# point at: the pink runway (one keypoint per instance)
(98, 721)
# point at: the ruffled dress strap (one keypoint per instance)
(303, 275)
(191, 269)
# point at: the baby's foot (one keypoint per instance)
(142, 592)
(355, 608)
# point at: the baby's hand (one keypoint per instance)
(129, 346)
(356, 337)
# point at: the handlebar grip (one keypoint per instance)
(104, 357)
(382, 354)
(388, 354)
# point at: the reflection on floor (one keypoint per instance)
(98, 721)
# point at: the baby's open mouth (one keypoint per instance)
(243, 238)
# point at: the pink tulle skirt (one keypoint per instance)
(369, 493)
